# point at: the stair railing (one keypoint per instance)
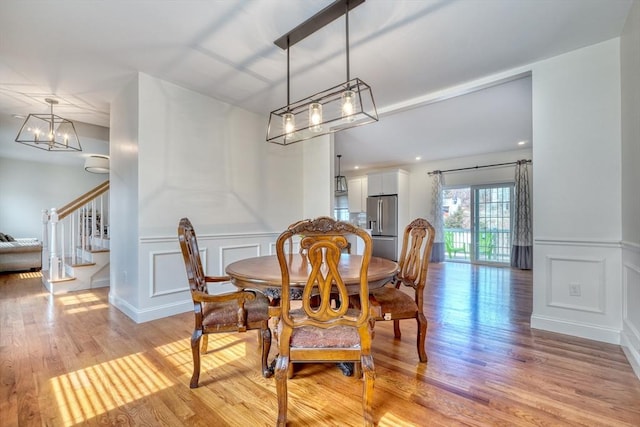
(74, 229)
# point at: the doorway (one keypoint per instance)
(477, 223)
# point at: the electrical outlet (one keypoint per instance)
(574, 289)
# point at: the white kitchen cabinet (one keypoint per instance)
(357, 194)
(383, 183)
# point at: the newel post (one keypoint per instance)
(54, 260)
(45, 237)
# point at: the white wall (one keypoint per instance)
(576, 196)
(630, 70)
(123, 192)
(318, 176)
(26, 188)
(200, 158)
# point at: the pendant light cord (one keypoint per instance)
(288, 90)
(346, 16)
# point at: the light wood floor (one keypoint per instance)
(74, 360)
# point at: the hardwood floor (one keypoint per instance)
(74, 360)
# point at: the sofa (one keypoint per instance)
(20, 254)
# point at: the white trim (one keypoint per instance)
(458, 90)
(153, 313)
(631, 350)
(152, 278)
(600, 309)
(172, 239)
(630, 336)
(578, 329)
(577, 242)
(223, 249)
(631, 246)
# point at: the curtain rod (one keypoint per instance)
(480, 167)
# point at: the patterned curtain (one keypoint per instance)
(522, 242)
(437, 252)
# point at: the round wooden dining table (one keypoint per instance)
(263, 273)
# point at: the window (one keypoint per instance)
(477, 223)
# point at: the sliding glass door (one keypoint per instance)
(477, 223)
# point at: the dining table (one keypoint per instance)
(263, 274)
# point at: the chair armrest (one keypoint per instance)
(199, 296)
(217, 278)
(275, 311)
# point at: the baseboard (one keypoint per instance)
(100, 283)
(146, 315)
(582, 330)
(630, 341)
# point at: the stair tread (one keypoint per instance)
(45, 275)
(78, 263)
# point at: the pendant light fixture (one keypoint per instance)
(341, 181)
(49, 132)
(344, 106)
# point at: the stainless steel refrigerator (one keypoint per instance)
(382, 218)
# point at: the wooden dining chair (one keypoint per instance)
(391, 302)
(223, 312)
(324, 328)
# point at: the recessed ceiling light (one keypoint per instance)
(418, 158)
(522, 142)
(356, 167)
(19, 116)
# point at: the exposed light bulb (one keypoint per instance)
(315, 117)
(288, 124)
(348, 105)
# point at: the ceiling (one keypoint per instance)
(82, 53)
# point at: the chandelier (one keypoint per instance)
(49, 132)
(341, 107)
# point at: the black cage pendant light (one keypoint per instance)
(341, 181)
(344, 106)
(49, 132)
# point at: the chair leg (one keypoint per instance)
(281, 374)
(368, 383)
(396, 328)
(357, 370)
(265, 345)
(422, 335)
(205, 344)
(195, 350)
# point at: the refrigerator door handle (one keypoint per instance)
(379, 215)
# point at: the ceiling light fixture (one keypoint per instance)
(49, 132)
(97, 164)
(341, 180)
(341, 107)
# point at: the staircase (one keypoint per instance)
(76, 243)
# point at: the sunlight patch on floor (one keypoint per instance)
(89, 392)
(78, 298)
(30, 275)
(83, 302)
(392, 420)
(222, 349)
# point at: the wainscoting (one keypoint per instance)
(164, 290)
(630, 338)
(578, 288)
